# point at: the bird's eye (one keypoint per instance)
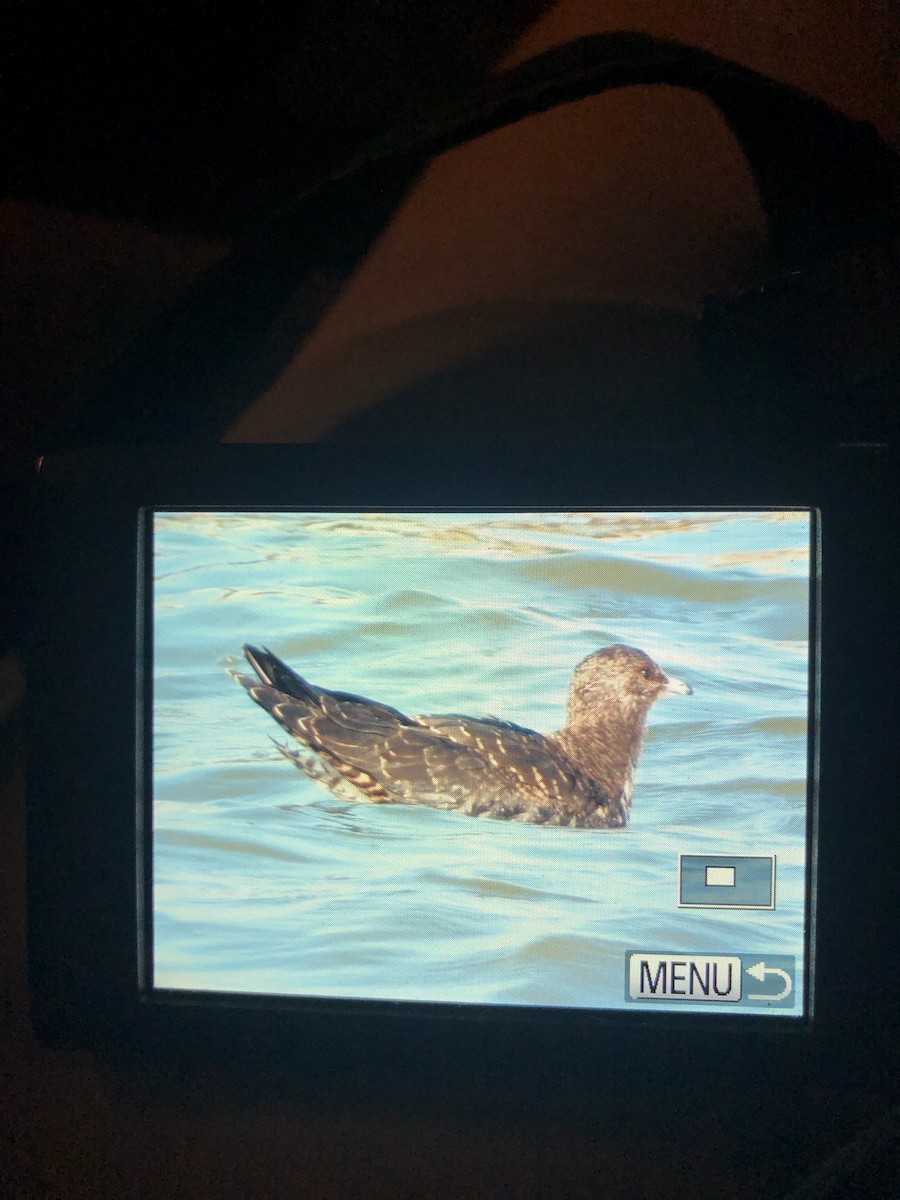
(646, 672)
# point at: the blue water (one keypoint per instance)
(265, 882)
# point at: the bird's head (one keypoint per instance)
(619, 683)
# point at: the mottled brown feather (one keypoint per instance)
(579, 776)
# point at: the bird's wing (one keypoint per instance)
(384, 754)
(521, 754)
(389, 758)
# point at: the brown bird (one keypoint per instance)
(582, 776)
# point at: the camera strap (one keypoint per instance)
(828, 185)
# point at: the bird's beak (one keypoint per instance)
(676, 687)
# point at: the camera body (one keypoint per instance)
(127, 944)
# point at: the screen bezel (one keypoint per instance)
(356, 1006)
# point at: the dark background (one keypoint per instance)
(141, 141)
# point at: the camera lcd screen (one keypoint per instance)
(508, 758)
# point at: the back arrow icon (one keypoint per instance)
(760, 971)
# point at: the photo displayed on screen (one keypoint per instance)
(495, 758)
